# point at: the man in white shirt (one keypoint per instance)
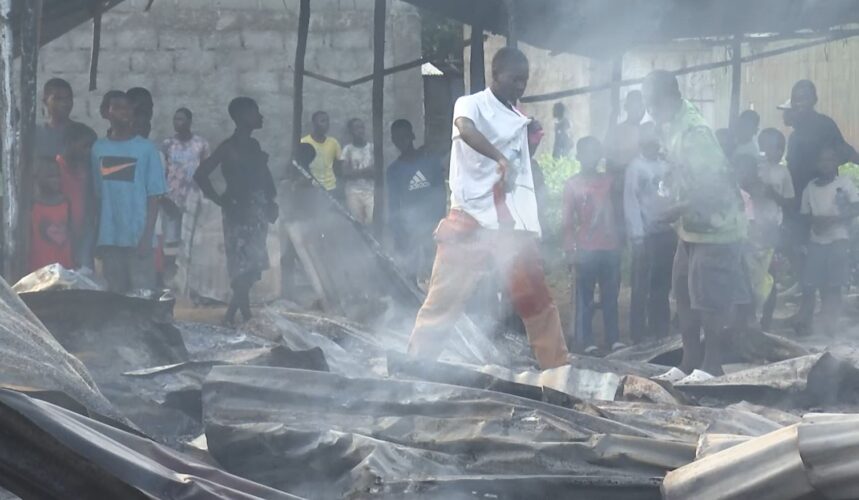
(493, 217)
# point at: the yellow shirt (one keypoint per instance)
(323, 165)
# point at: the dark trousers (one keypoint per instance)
(599, 267)
(649, 310)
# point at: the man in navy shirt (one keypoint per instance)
(416, 199)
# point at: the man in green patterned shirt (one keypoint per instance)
(708, 280)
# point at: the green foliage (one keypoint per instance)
(556, 172)
(441, 37)
(850, 170)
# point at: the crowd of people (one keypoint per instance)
(701, 213)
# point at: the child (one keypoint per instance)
(247, 204)
(128, 177)
(779, 195)
(758, 249)
(830, 202)
(76, 185)
(50, 221)
(58, 101)
(593, 244)
(358, 167)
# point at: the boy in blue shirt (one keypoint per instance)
(129, 180)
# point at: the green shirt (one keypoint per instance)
(702, 177)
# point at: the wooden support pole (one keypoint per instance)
(9, 134)
(31, 21)
(96, 43)
(298, 73)
(736, 78)
(477, 67)
(512, 29)
(379, 16)
(616, 78)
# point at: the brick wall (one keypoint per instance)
(202, 53)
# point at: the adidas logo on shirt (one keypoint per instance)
(419, 181)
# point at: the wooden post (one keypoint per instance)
(298, 74)
(736, 78)
(9, 135)
(616, 78)
(477, 67)
(512, 31)
(31, 20)
(379, 15)
(96, 43)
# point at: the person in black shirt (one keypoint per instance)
(247, 204)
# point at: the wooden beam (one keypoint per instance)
(552, 96)
(9, 134)
(616, 79)
(96, 43)
(512, 29)
(477, 66)
(298, 73)
(379, 16)
(31, 20)
(736, 78)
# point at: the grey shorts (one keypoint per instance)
(127, 272)
(710, 276)
(827, 266)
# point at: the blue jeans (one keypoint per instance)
(597, 267)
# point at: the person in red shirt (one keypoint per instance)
(50, 221)
(76, 186)
(593, 244)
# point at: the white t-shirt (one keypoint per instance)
(358, 159)
(776, 176)
(473, 176)
(823, 201)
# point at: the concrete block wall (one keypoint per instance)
(202, 53)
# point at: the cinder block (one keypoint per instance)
(152, 62)
(257, 83)
(351, 39)
(73, 61)
(217, 40)
(117, 62)
(264, 40)
(193, 62)
(172, 40)
(136, 38)
(237, 61)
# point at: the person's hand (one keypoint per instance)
(503, 168)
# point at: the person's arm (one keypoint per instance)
(569, 221)
(144, 246)
(203, 173)
(476, 140)
(631, 204)
(156, 186)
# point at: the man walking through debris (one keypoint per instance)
(493, 216)
(708, 278)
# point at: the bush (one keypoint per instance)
(556, 172)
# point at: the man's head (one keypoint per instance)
(559, 111)
(772, 144)
(535, 135)
(305, 154)
(661, 95)
(105, 102)
(648, 141)
(245, 113)
(141, 103)
(78, 142)
(402, 135)
(589, 153)
(634, 107)
(831, 157)
(747, 126)
(509, 74)
(58, 99)
(727, 141)
(182, 119)
(321, 123)
(357, 130)
(48, 175)
(119, 111)
(803, 96)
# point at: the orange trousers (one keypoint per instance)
(464, 256)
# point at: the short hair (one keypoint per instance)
(55, 84)
(239, 105)
(751, 116)
(186, 112)
(558, 110)
(139, 94)
(109, 96)
(662, 83)
(352, 121)
(318, 114)
(772, 134)
(588, 142)
(507, 57)
(807, 85)
(77, 132)
(634, 94)
(402, 123)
